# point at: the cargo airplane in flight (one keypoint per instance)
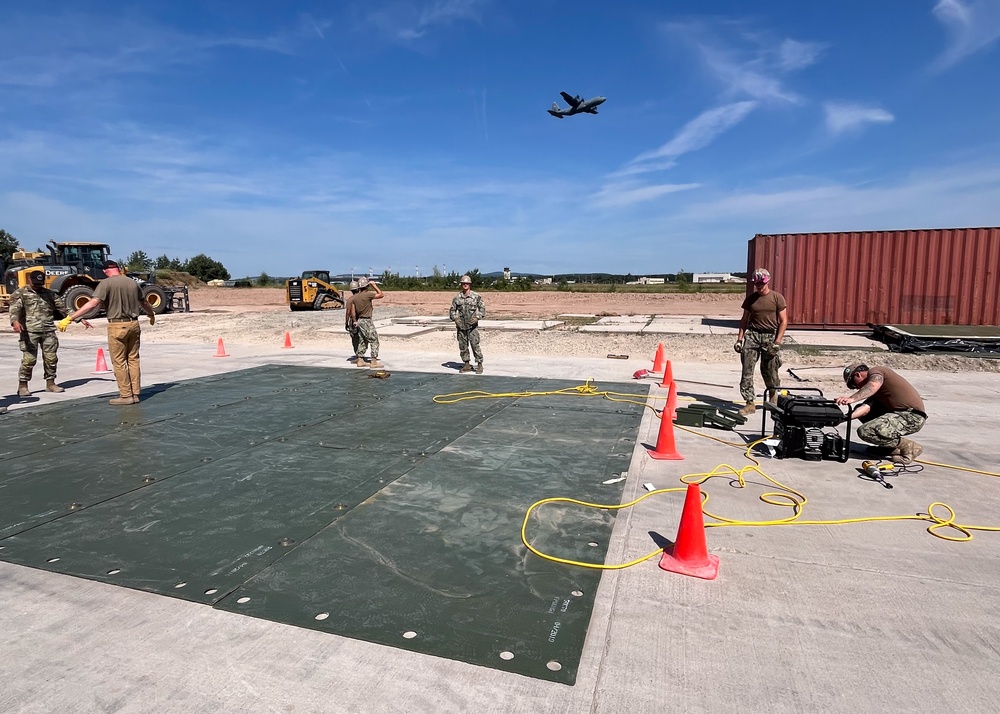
(576, 106)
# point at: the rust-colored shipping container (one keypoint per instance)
(849, 280)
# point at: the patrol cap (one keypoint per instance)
(761, 275)
(465, 279)
(852, 369)
(362, 282)
(37, 277)
(108, 264)
(354, 285)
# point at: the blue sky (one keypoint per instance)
(404, 134)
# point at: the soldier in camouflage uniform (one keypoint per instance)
(33, 310)
(892, 409)
(361, 317)
(351, 319)
(765, 317)
(467, 309)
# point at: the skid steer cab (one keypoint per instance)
(313, 291)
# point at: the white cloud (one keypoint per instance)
(748, 63)
(945, 196)
(794, 55)
(701, 131)
(971, 26)
(844, 116)
(618, 195)
(623, 189)
(406, 22)
(71, 49)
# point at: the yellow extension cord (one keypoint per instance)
(789, 498)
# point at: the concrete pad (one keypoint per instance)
(442, 321)
(613, 329)
(624, 320)
(409, 330)
(518, 325)
(830, 338)
(877, 617)
(663, 324)
(622, 324)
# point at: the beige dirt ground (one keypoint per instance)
(260, 316)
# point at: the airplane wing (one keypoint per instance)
(571, 100)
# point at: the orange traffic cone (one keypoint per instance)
(288, 341)
(668, 375)
(665, 449)
(101, 367)
(689, 553)
(659, 361)
(220, 351)
(671, 409)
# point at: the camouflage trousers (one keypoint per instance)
(367, 336)
(466, 339)
(755, 346)
(355, 338)
(888, 429)
(29, 343)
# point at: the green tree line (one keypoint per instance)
(200, 266)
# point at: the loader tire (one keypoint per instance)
(157, 298)
(76, 296)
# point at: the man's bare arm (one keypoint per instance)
(873, 384)
(782, 325)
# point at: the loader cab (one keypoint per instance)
(323, 275)
(87, 258)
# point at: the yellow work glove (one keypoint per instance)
(152, 320)
(63, 324)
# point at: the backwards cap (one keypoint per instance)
(852, 369)
(761, 275)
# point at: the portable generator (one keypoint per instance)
(805, 424)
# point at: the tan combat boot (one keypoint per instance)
(361, 361)
(121, 401)
(479, 368)
(749, 409)
(466, 368)
(51, 386)
(375, 364)
(22, 389)
(908, 451)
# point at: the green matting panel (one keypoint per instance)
(949, 332)
(329, 500)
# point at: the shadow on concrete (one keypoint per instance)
(70, 383)
(721, 322)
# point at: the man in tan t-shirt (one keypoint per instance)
(892, 409)
(762, 327)
(359, 314)
(123, 301)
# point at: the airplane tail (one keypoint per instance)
(554, 111)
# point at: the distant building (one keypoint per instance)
(543, 281)
(506, 274)
(652, 281)
(716, 278)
